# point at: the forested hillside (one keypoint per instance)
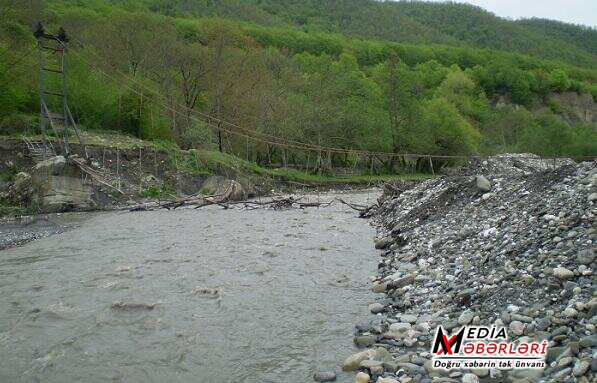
(296, 73)
(581, 36)
(401, 21)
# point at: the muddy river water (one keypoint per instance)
(207, 295)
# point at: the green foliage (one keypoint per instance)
(581, 36)
(19, 124)
(199, 136)
(501, 78)
(158, 192)
(8, 208)
(554, 106)
(15, 94)
(584, 141)
(301, 71)
(502, 132)
(461, 90)
(549, 135)
(447, 130)
(559, 80)
(413, 22)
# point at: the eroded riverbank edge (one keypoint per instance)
(116, 172)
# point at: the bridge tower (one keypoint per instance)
(52, 62)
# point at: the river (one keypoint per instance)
(131, 296)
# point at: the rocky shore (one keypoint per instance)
(510, 242)
(17, 231)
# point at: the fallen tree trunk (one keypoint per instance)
(275, 203)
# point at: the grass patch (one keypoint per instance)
(158, 192)
(8, 208)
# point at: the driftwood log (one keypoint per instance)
(275, 203)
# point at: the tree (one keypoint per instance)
(460, 90)
(503, 131)
(559, 80)
(400, 89)
(191, 67)
(132, 42)
(548, 135)
(450, 132)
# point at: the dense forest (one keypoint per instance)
(401, 21)
(262, 79)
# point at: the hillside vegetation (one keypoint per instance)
(401, 21)
(308, 72)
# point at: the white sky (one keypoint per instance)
(570, 11)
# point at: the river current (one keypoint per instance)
(208, 295)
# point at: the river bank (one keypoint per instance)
(509, 242)
(113, 172)
(17, 231)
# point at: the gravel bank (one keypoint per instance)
(19, 231)
(509, 241)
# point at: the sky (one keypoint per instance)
(570, 11)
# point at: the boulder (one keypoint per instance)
(52, 166)
(224, 189)
(58, 186)
(480, 372)
(376, 307)
(400, 327)
(383, 242)
(324, 376)
(466, 317)
(386, 380)
(483, 184)
(364, 340)
(370, 364)
(361, 378)
(563, 273)
(379, 287)
(382, 355)
(581, 367)
(516, 327)
(409, 318)
(401, 282)
(588, 341)
(353, 362)
(470, 378)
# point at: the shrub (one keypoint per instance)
(19, 124)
